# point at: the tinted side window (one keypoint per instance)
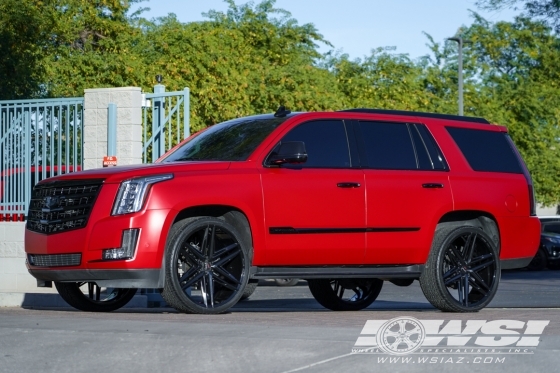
(436, 157)
(325, 141)
(388, 146)
(486, 150)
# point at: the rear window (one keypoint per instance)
(486, 150)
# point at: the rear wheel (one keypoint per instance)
(462, 271)
(206, 266)
(345, 294)
(88, 296)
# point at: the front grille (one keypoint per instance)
(61, 206)
(55, 260)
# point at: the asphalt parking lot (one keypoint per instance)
(284, 330)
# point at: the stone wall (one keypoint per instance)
(129, 125)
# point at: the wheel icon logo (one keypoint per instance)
(401, 336)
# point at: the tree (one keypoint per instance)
(548, 10)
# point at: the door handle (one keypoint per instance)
(432, 185)
(348, 185)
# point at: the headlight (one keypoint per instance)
(132, 193)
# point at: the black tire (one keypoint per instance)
(96, 299)
(459, 256)
(286, 281)
(330, 292)
(250, 289)
(206, 266)
(539, 261)
(554, 266)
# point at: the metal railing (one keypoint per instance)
(38, 139)
(165, 121)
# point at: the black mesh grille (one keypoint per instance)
(62, 206)
(55, 260)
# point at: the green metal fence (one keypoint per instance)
(38, 139)
(165, 121)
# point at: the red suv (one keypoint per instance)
(346, 200)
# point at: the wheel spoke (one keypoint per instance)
(226, 274)
(413, 331)
(191, 271)
(221, 252)
(212, 244)
(480, 267)
(452, 280)
(194, 251)
(193, 280)
(476, 285)
(211, 288)
(465, 280)
(469, 247)
(225, 283)
(204, 245)
(458, 257)
(226, 259)
(479, 281)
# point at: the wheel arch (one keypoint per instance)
(481, 219)
(232, 215)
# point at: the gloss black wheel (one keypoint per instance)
(463, 270)
(351, 294)
(207, 266)
(88, 296)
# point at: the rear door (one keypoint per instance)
(315, 212)
(407, 190)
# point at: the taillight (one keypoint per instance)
(532, 204)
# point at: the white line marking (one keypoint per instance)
(318, 363)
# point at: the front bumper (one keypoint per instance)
(115, 278)
(104, 232)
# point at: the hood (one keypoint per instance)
(120, 173)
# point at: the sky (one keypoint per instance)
(356, 27)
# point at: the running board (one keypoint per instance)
(382, 272)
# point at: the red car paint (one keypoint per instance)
(302, 198)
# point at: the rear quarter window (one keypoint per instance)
(486, 150)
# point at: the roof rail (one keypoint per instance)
(419, 114)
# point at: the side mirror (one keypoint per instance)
(288, 152)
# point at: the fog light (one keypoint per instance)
(128, 246)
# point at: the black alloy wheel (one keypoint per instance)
(351, 294)
(207, 266)
(88, 296)
(463, 270)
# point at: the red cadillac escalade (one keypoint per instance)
(346, 200)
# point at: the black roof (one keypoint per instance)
(419, 114)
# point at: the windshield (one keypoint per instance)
(233, 140)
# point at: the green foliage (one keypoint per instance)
(253, 58)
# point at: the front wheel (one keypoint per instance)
(206, 266)
(88, 296)
(350, 294)
(462, 271)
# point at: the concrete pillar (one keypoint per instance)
(129, 125)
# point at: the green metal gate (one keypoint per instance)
(165, 121)
(38, 139)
